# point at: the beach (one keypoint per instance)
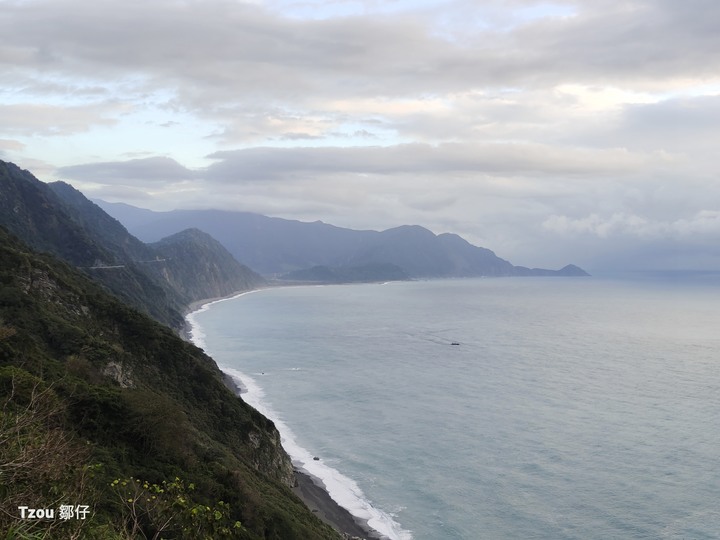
(308, 490)
(319, 502)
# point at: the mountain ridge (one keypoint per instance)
(276, 247)
(58, 219)
(101, 406)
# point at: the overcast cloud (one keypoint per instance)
(550, 132)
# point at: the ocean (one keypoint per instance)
(499, 408)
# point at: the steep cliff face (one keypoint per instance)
(96, 386)
(29, 210)
(106, 230)
(104, 404)
(159, 280)
(198, 266)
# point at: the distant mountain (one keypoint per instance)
(270, 246)
(348, 274)
(198, 266)
(569, 270)
(191, 262)
(159, 280)
(280, 247)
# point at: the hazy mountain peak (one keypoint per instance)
(276, 246)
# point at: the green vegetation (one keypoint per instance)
(159, 280)
(104, 407)
(167, 509)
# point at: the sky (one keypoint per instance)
(551, 132)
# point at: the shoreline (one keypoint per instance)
(323, 506)
(306, 487)
(186, 331)
(192, 307)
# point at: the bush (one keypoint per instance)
(41, 464)
(168, 510)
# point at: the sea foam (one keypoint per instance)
(342, 490)
(196, 333)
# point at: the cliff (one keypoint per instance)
(197, 266)
(57, 219)
(102, 406)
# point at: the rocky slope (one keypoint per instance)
(102, 406)
(58, 219)
(197, 266)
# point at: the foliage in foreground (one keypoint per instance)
(92, 392)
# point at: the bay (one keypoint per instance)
(569, 408)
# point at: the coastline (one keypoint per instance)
(306, 488)
(319, 502)
(185, 331)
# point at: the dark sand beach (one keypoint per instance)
(320, 503)
(313, 495)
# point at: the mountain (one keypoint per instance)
(30, 210)
(280, 247)
(267, 245)
(197, 266)
(103, 407)
(58, 219)
(103, 228)
(190, 263)
(33, 212)
(569, 270)
(348, 274)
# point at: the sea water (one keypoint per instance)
(502, 408)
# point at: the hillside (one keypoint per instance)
(58, 219)
(278, 247)
(30, 210)
(197, 266)
(189, 265)
(104, 407)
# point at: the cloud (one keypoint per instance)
(126, 194)
(261, 73)
(10, 144)
(29, 119)
(151, 171)
(420, 158)
(531, 127)
(704, 223)
(634, 242)
(686, 123)
(602, 227)
(247, 49)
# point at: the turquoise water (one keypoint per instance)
(571, 408)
